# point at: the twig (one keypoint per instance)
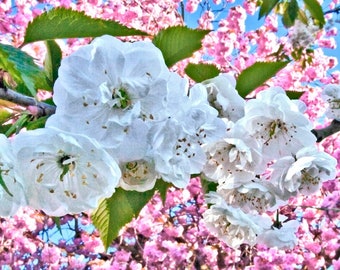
(321, 134)
(43, 109)
(335, 10)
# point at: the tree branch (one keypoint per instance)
(182, 10)
(321, 134)
(335, 10)
(43, 109)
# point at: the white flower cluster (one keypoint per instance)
(124, 120)
(268, 155)
(55, 171)
(303, 35)
(331, 95)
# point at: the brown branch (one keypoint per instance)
(43, 109)
(321, 134)
(335, 10)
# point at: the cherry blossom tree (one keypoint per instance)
(169, 147)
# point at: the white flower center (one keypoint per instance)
(184, 147)
(334, 104)
(120, 97)
(275, 129)
(307, 179)
(223, 224)
(67, 164)
(136, 172)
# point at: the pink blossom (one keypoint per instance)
(236, 19)
(309, 214)
(327, 43)
(314, 247)
(328, 235)
(122, 255)
(336, 264)
(250, 6)
(271, 22)
(152, 253)
(76, 263)
(50, 254)
(174, 231)
(332, 32)
(205, 22)
(191, 5)
(92, 244)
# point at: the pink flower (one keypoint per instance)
(205, 22)
(250, 6)
(50, 254)
(76, 262)
(122, 255)
(329, 234)
(314, 247)
(327, 43)
(92, 244)
(336, 264)
(332, 32)
(191, 5)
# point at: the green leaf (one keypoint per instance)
(266, 7)
(57, 223)
(201, 72)
(52, 59)
(5, 128)
(178, 43)
(38, 123)
(18, 125)
(208, 186)
(302, 16)
(66, 23)
(113, 213)
(21, 67)
(257, 74)
(290, 14)
(294, 94)
(4, 115)
(315, 10)
(2, 183)
(162, 187)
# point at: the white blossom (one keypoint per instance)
(177, 141)
(331, 94)
(135, 144)
(176, 154)
(139, 175)
(64, 173)
(311, 168)
(118, 82)
(283, 237)
(237, 155)
(200, 120)
(252, 196)
(304, 173)
(224, 97)
(9, 202)
(277, 123)
(302, 35)
(232, 225)
(287, 187)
